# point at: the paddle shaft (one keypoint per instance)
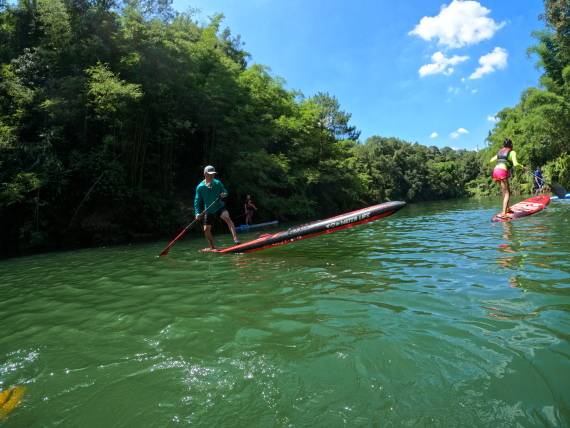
(183, 231)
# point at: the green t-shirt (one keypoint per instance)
(207, 194)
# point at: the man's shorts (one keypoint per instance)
(209, 218)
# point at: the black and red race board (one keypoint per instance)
(319, 227)
(524, 208)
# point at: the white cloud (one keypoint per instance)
(441, 64)
(461, 23)
(496, 60)
(433, 135)
(456, 134)
(453, 90)
(493, 119)
(474, 91)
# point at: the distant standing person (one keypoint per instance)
(506, 160)
(210, 193)
(250, 209)
(538, 181)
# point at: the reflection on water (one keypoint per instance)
(432, 317)
(512, 259)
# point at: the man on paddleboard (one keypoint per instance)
(506, 160)
(210, 193)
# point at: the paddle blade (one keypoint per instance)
(559, 190)
(171, 243)
(165, 251)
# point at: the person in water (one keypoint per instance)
(250, 209)
(210, 193)
(506, 160)
(538, 181)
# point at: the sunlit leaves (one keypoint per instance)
(54, 22)
(17, 190)
(108, 94)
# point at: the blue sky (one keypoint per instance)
(409, 69)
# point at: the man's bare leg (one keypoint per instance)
(209, 236)
(226, 217)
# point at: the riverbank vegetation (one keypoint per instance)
(109, 111)
(539, 124)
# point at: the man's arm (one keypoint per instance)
(197, 199)
(223, 191)
(513, 156)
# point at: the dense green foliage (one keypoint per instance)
(394, 169)
(539, 124)
(109, 110)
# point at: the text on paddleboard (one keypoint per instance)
(352, 219)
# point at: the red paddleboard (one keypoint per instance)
(316, 228)
(524, 208)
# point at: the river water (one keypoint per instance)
(432, 317)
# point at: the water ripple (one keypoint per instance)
(433, 317)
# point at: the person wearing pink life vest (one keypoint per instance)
(506, 160)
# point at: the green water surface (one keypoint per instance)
(432, 317)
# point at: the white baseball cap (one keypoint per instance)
(210, 170)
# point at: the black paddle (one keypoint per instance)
(183, 231)
(556, 188)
